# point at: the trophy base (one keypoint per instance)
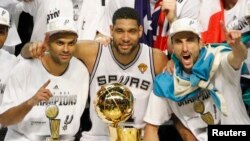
(125, 134)
(51, 139)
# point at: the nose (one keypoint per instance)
(184, 46)
(66, 48)
(125, 37)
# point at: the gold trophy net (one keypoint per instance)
(114, 104)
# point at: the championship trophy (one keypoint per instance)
(114, 105)
(51, 113)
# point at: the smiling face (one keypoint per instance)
(62, 46)
(126, 34)
(186, 48)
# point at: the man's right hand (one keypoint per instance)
(43, 94)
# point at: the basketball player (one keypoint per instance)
(7, 60)
(47, 97)
(125, 60)
(205, 86)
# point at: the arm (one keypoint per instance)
(87, 52)
(16, 114)
(185, 133)
(155, 117)
(160, 60)
(169, 8)
(151, 132)
(237, 56)
(239, 50)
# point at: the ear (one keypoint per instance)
(170, 45)
(140, 30)
(201, 44)
(111, 30)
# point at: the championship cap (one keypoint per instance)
(185, 24)
(4, 17)
(61, 24)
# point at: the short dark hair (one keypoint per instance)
(126, 13)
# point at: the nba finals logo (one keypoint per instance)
(142, 67)
(51, 113)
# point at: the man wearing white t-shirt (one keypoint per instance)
(7, 61)
(232, 12)
(45, 97)
(205, 86)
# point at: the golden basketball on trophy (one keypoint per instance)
(114, 105)
(51, 111)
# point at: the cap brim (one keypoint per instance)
(61, 31)
(184, 30)
(5, 24)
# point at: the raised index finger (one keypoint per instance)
(224, 29)
(46, 84)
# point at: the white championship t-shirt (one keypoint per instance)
(70, 93)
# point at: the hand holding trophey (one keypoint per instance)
(169, 8)
(43, 94)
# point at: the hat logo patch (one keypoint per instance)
(3, 12)
(191, 22)
(66, 22)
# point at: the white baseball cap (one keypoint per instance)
(61, 24)
(4, 17)
(185, 24)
